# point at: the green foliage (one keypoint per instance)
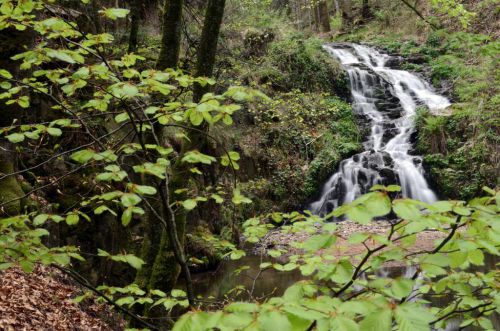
(304, 65)
(21, 243)
(107, 113)
(453, 9)
(301, 139)
(110, 119)
(349, 294)
(466, 60)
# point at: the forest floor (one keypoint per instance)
(43, 300)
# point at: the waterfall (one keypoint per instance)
(388, 98)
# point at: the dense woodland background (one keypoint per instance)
(143, 141)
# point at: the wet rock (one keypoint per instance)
(388, 176)
(388, 161)
(362, 178)
(416, 59)
(394, 62)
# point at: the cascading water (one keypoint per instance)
(388, 98)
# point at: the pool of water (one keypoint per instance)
(243, 280)
(245, 274)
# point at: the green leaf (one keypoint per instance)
(360, 214)
(114, 13)
(122, 117)
(441, 206)
(197, 157)
(411, 317)
(60, 55)
(378, 204)
(56, 132)
(176, 293)
(23, 101)
(61, 259)
(185, 323)
(460, 210)
(195, 117)
(189, 204)
(218, 199)
(5, 74)
(274, 320)
(124, 90)
(6, 265)
(127, 216)
(406, 209)
(343, 272)
(27, 266)
(40, 219)
(130, 199)
(83, 156)
(244, 307)
(319, 242)
(343, 324)
(103, 253)
(72, 219)
(358, 238)
(144, 190)
(380, 320)
(402, 287)
(134, 261)
(237, 254)
(238, 198)
(476, 257)
(39, 232)
(15, 137)
(125, 301)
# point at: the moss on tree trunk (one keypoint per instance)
(10, 189)
(208, 44)
(171, 41)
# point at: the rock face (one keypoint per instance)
(386, 99)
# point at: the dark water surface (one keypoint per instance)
(269, 282)
(245, 273)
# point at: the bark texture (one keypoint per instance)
(365, 10)
(208, 44)
(12, 42)
(324, 16)
(134, 25)
(171, 35)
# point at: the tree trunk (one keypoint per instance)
(208, 44)
(170, 258)
(12, 42)
(346, 9)
(10, 189)
(365, 10)
(162, 269)
(171, 35)
(316, 17)
(324, 16)
(337, 7)
(96, 19)
(134, 25)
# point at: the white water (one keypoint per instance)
(388, 98)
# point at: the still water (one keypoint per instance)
(246, 275)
